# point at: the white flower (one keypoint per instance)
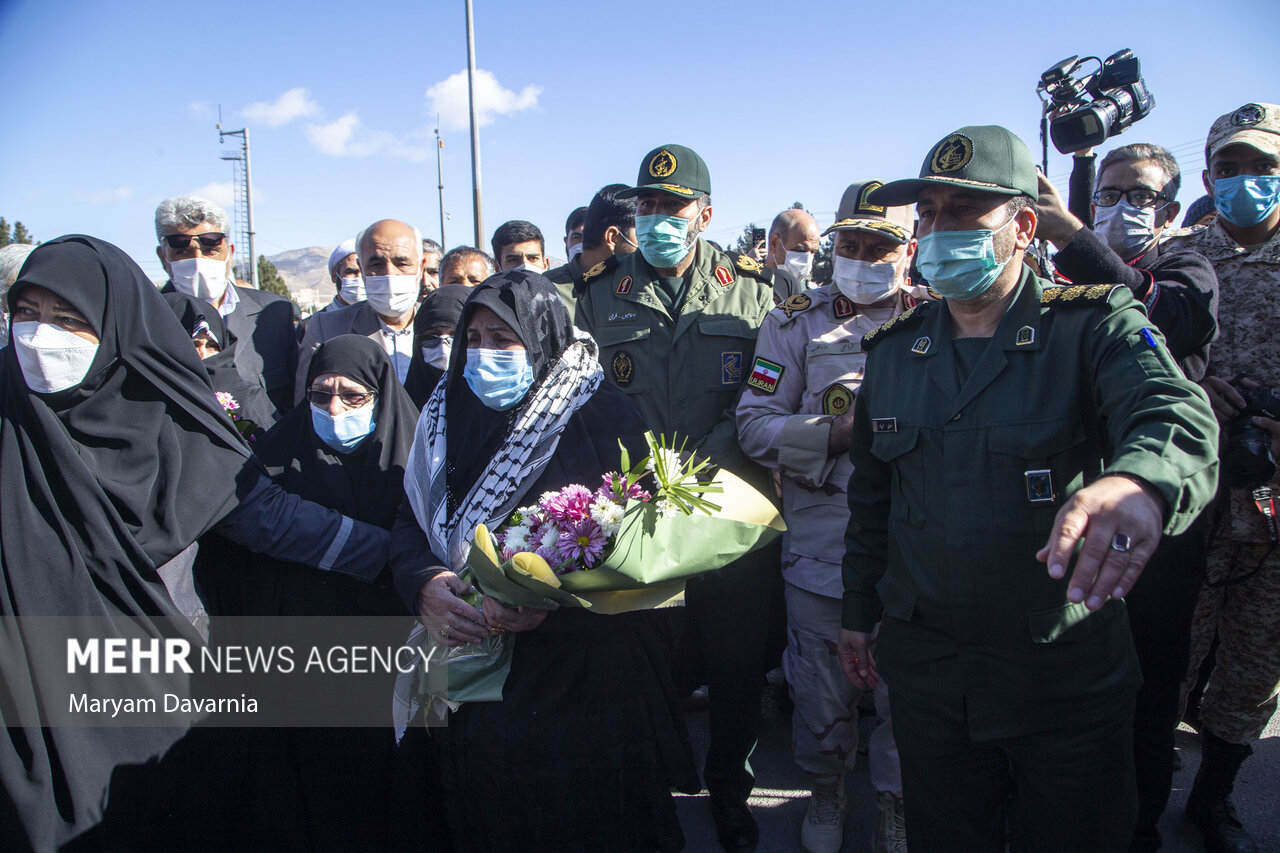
(550, 535)
(666, 509)
(608, 515)
(517, 538)
(671, 464)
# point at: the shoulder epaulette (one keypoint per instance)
(793, 305)
(1080, 294)
(597, 270)
(906, 319)
(752, 267)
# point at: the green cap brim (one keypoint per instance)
(676, 190)
(907, 191)
(872, 226)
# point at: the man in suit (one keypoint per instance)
(392, 261)
(196, 252)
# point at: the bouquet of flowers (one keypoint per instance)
(244, 426)
(621, 547)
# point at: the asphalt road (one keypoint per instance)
(781, 794)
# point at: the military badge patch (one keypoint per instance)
(921, 346)
(952, 153)
(842, 307)
(662, 164)
(730, 368)
(867, 189)
(748, 264)
(798, 302)
(1026, 335)
(594, 271)
(624, 369)
(723, 275)
(837, 400)
(765, 375)
(624, 286)
(884, 424)
(1040, 486)
(1247, 115)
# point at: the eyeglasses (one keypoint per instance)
(352, 400)
(208, 240)
(1138, 197)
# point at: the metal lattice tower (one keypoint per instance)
(240, 216)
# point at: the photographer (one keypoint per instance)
(1241, 600)
(1132, 205)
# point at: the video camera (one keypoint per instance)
(1095, 106)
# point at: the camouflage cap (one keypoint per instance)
(989, 158)
(1256, 125)
(857, 213)
(672, 169)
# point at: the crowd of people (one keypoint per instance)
(1028, 496)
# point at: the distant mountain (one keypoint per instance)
(306, 273)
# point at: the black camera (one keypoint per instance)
(1246, 448)
(1095, 106)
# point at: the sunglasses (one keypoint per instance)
(350, 400)
(209, 240)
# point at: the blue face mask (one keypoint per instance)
(1246, 200)
(345, 431)
(499, 377)
(664, 240)
(960, 264)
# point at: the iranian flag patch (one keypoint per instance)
(765, 375)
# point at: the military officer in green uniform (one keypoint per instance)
(676, 323)
(996, 431)
(608, 231)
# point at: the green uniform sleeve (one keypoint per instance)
(866, 540)
(1159, 423)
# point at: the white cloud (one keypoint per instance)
(293, 104)
(348, 137)
(200, 110)
(221, 193)
(108, 196)
(448, 99)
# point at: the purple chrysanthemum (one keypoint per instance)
(582, 541)
(572, 503)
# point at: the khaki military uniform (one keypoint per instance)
(958, 476)
(1241, 695)
(685, 370)
(815, 342)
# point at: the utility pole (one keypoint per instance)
(244, 201)
(475, 130)
(440, 184)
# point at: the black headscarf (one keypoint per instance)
(195, 314)
(442, 307)
(531, 306)
(99, 485)
(368, 483)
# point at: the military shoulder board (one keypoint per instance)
(906, 319)
(1081, 294)
(596, 270)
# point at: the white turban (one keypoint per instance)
(346, 247)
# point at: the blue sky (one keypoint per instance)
(112, 105)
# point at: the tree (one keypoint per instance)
(269, 280)
(4, 232)
(20, 234)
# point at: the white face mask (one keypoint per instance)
(352, 289)
(52, 359)
(575, 250)
(1128, 230)
(532, 268)
(865, 283)
(799, 264)
(203, 278)
(391, 295)
(437, 354)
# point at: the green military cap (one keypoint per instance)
(672, 169)
(858, 213)
(988, 158)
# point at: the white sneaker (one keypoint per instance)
(823, 827)
(890, 835)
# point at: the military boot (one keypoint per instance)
(890, 834)
(1209, 805)
(823, 827)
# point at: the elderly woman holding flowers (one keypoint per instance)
(587, 741)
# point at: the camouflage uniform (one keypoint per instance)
(1241, 695)
(816, 340)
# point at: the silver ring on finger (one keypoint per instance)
(1121, 542)
(446, 631)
